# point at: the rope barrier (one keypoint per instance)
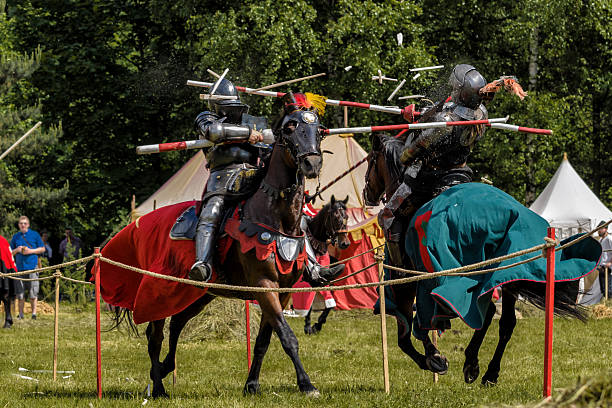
(421, 276)
(50, 268)
(31, 279)
(467, 270)
(355, 256)
(354, 273)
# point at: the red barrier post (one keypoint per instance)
(248, 333)
(550, 302)
(98, 339)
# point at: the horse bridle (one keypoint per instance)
(328, 224)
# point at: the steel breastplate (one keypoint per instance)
(235, 153)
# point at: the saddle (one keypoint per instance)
(185, 226)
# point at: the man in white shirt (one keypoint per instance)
(606, 257)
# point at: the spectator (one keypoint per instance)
(26, 246)
(48, 251)
(606, 257)
(69, 242)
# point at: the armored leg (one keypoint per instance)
(317, 274)
(205, 239)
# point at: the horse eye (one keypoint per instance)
(290, 126)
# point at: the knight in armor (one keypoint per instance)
(436, 159)
(235, 172)
(233, 164)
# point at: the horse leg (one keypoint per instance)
(272, 315)
(507, 322)
(322, 319)
(471, 369)
(155, 337)
(259, 351)
(8, 319)
(177, 324)
(434, 360)
(404, 297)
(307, 327)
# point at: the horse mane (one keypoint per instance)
(392, 150)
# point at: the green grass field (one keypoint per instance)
(344, 362)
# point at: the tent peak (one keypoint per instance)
(564, 155)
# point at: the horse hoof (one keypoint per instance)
(488, 383)
(250, 389)
(437, 363)
(159, 394)
(313, 393)
(470, 372)
(308, 330)
(317, 328)
(7, 325)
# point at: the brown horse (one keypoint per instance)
(276, 207)
(383, 177)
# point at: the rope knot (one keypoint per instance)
(379, 258)
(550, 242)
(57, 274)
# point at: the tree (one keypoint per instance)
(23, 189)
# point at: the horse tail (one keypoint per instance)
(121, 316)
(566, 294)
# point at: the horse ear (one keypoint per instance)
(345, 201)
(376, 142)
(333, 199)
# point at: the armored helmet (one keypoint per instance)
(230, 108)
(466, 82)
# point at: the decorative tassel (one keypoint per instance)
(317, 102)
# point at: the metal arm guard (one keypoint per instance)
(226, 132)
(212, 128)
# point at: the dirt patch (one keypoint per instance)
(601, 311)
(42, 308)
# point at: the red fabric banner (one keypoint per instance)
(357, 298)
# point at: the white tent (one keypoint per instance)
(185, 185)
(568, 204)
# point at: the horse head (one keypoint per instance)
(385, 170)
(299, 131)
(338, 219)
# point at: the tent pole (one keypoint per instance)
(434, 340)
(606, 272)
(383, 326)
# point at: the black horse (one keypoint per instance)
(327, 227)
(383, 178)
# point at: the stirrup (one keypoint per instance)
(200, 271)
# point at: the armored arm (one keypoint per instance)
(211, 128)
(419, 145)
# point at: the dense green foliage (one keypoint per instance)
(343, 361)
(23, 190)
(113, 74)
